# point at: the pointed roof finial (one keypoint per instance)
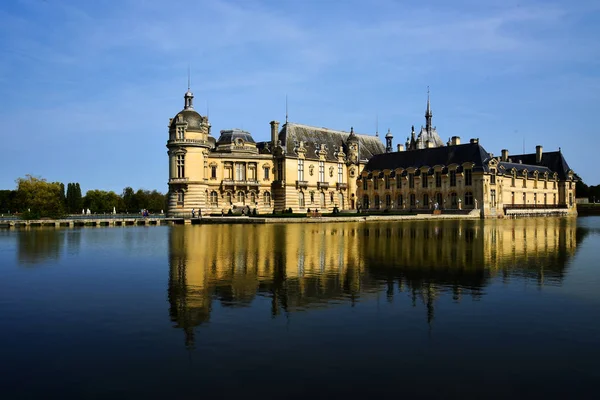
(377, 125)
(189, 78)
(428, 112)
(188, 96)
(286, 109)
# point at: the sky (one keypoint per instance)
(87, 87)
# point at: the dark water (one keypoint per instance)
(470, 309)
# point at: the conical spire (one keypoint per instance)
(188, 96)
(428, 113)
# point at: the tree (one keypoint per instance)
(101, 201)
(39, 197)
(129, 200)
(7, 201)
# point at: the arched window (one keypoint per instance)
(241, 198)
(341, 201)
(228, 197)
(252, 198)
(469, 199)
(301, 199)
(322, 199)
(267, 198)
(377, 204)
(365, 201)
(214, 198)
(180, 197)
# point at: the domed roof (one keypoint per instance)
(193, 119)
(232, 136)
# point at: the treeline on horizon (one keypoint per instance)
(35, 197)
(584, 191)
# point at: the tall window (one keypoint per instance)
(525, 180)
(570, 199)
(452, 178)
(425, 200)
(398, 180)
(387, 181)
(213, 172)
(240, 172)
(545, 199)
(424, 180)
(512, 198)
(468, 199)
(439, 199)
(400, 201)
(365, 184)
(524, 198)
(376, 183)
(411, 180)
(388, 201)
(214, 198)
(312, 197)
(267, 199)
(180, 197)
(301, 199)
(535, 198)
(554, 199)
(412, 200)
(454, 200)
(252, 172)
(266, 173)
(513, 179)
(252, 198)
(468, 178)
(228, 197)
(365, 201)
(280, 170)
(180, 132)
(321, 171)
(493, 198)
(180, 166)
(340, 173)
(438, 179)
(300, 169)
(377, 201)
(492, 176)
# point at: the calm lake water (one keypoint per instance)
(471, 309)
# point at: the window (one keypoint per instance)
(535, 180)
(252, 198)
(524, 198)
(280, 170)
(321, 171)
(412, 200)
(468, 178)
(387, 181)
(240, 172)
(492, 177)
(180, 133)
(180, 166)
(512, 198)
(267, 199)
(400, 201)
(525, 180)
(438, 199)
(545, 182)
(213, 172)
(554, 201)
(375, 183)
(214, 198)
(493, 198)
(513, 179)
(340, 173)
(425, 200)
(241, 197)
(300, 169)
(438, 179)
(365, 201)
(301, 199)
(554, 184)
(535, 198)
(377, 201)
(469, 199)
(411, 180)
(452, 178)
(266, 173)
(252, 172)
(312, 197)
(545, 199)
(570, 198)
(331, 197)
(180, 197)
(365, 184)
(322, 195)
(228, 197)
(424, 180)
(398, 180)
(388, 201)
(454, 200)
(228, 171)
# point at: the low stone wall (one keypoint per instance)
(542, 212)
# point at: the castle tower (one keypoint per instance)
(388, 142)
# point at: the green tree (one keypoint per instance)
(101, 201)
(39, 197)
(130, 200)
(7, 201)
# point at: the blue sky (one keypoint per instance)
(87, 87)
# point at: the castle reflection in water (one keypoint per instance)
(300, 266)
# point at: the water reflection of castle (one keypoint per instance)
(305, 266)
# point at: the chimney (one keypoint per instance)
(274, 132)
(504, 155)
(400, 147)
(538, 154)
(474, 140)
(428, 144)
(455, 140)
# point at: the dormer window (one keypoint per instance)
(180, 132)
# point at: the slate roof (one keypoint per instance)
(506, 167)
(229, 136)
(292, 134)
(433, 137)
(193, 119)
(446, 155)
(553, 160)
